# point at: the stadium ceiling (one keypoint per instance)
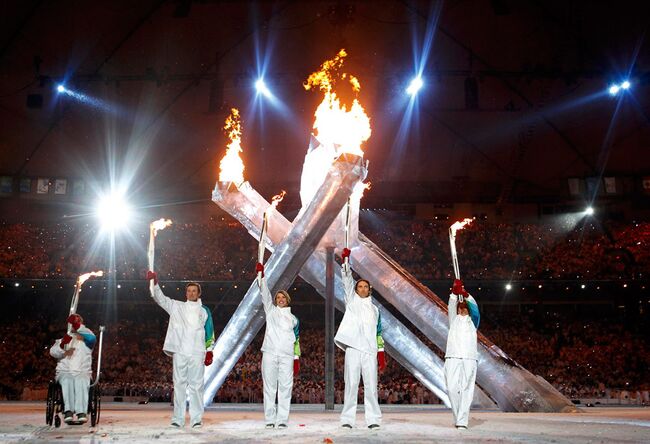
(514, 91)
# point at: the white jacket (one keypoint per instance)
(361, 324)
(190, 324)
(281, 325)
(80, 362)
(461, 342)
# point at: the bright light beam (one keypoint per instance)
(113, 212)
(589, 211)
(416, 85)
(261, 88)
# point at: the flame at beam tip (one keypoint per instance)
(278, 198)
(160, 224)
(231, 165)
(459, 225)
(84, 277)
(359, 189)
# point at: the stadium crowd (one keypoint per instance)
(583, 358)
(223, 250)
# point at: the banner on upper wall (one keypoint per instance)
(645, 182)
(60, 186)
(43, 185)
(6, 184)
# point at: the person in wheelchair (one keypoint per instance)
(73, 370)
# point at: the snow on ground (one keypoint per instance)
(25, 422)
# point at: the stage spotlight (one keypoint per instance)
(613, 90)
(113, 212)
(261, 88)
(60, 88)
(415, 85)
(625, 85)
(508, 287)
(589, 211)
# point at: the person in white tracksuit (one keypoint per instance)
(74, 353)
(280, 353)
(461, 356)
(189, 341)
(359, 335)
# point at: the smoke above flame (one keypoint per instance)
(232, 166)
(334, 124)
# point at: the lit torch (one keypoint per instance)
(262, 242)
(154, 227)
(77, 290)
(348, 218)
(452, 242)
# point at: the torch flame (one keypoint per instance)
(459, 225)
(84, 277)
(359, 189)
(277, 199)
(231, 165)
(160, 224)
(334, 123)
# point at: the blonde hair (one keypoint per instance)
(286, 295)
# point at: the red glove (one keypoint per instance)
(458, 288)
(296, 366)
(346, 254)
(381, 360)
(75, 321)
(259, 268)
(65, 340)
(152, 275)
(208, 358)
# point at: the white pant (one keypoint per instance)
(460, 376)
(188, 381)
(75, 393)
(277, 374)
(358, 363)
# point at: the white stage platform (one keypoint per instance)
(235, 423)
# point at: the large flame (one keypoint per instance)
(459, 225)
(84, 277)
(334, 123)
(231, 165)
(160, 224)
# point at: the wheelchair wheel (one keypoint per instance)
(94, 405)
(49, 404)
(54, 404)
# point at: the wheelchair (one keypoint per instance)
(54, 403)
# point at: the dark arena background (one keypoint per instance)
(532, 118)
